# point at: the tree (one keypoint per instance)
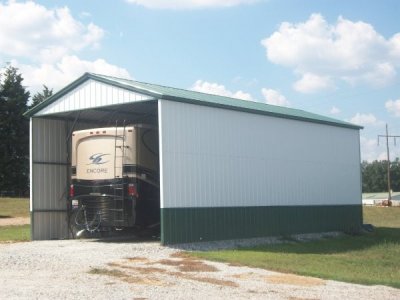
(395, 174)
(14, 133)
(374, 176)
(39, 97)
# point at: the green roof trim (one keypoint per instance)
(187, 96)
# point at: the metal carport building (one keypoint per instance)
(229, 168)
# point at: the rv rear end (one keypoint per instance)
(114, 178)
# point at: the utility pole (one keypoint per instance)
(387, 136)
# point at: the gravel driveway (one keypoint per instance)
(87, 269)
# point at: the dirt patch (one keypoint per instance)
(210, 280)
(233, 264)
(15, 221)
(243, 275)
(137, 259)
(145, 270)
(298, 298)
(292, 279)
(144, 280)
(189, 265)
(140, 274)
(127, 277)
(216, 281)
(196, 266)
(181, 255)
(108, 272)
(170, 262)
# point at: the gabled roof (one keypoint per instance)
(187, 96)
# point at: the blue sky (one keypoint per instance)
(336, 58)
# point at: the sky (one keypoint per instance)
(336, 58)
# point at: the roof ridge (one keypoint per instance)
(158, 91)
(193, 91)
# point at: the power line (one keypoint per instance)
(387, 136)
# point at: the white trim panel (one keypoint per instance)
(220, 158)
(161, 160)
(30, 165)
(92, 94)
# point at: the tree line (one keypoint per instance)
(15, 100)
(374, 176)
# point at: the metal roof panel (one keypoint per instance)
(187, 96)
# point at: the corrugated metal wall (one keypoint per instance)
(92, 94)
(221, 158)
(50, 176)
(49, 179)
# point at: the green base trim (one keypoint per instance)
(185, 225)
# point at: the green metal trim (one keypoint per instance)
(197, 98)
(185, 225)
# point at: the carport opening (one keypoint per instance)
(113, 179)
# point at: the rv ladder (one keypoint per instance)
(119, 189)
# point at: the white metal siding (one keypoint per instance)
(91, 94)
(219, 158)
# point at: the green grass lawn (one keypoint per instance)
(20, 233)
(11, 208)
(14, 207)
(367, 259)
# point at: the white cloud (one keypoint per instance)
(370, 150)
(30, 30)
(310, 83)
(65, 71)
(273, 97)
(323, 53)
(44, 44)
(85, 14)
(189, 4)
(218, 89)
(334, 110)
(393, 106)
(365, 119)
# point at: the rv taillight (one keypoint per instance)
(132, 191)
(71, 190)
